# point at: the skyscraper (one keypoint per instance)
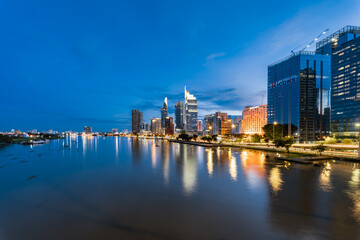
(190, 112)
(344, 48)
(156, 125)
(136, 120)
(169, 126)
(299, 94)
(179, 115)
(164, 113)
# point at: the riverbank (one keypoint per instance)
(271, 148)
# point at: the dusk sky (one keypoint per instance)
(66, 64)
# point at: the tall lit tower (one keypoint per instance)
(179, 115)
(190, 112)
(164, 113)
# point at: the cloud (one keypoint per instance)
(215, 55)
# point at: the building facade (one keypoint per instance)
(190, 112)
(179, 115)
(136, 120)
(169, 126)
(226, 126)
(199, 125)
(212, 123)
(254, 119)
(299, 94)
(156, 125)
(237, 123)
(344, 48)
(164, 113)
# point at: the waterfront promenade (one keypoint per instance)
(346, 152)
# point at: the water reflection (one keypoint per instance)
(354, 192)
(241, 188)
(275, 180)
(253, 167)
(165, 156)
(233, 168)
(117, 147)
(325, 183)
(189, 173)
(153, 154)
(210, 163)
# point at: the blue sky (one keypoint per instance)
(66, 64)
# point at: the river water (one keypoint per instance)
(128, 188)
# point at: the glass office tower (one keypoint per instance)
(190, 112)
(179, 115)
(344, 48)
(299, 94)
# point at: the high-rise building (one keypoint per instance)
(156, 125)
(145, 127)
(299, 94)
(237, 123)
(226, 126)
(87, 130)
(169, 126)
(344, 48)
(164, 113)
(179, 115)
(199, 125)
(190, 112)
(254, 119)
(137, 118)
(212, 123)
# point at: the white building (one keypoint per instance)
(190, 112)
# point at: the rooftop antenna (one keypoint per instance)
(310, 43)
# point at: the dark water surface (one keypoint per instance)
(123, 188)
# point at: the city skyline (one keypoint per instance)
(86, 71)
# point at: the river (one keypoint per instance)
(129, 188)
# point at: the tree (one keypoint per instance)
(207, 138)
(347, 141)
(194, 137)
(330, 141)
(184, 137)
(319, 148)
(214, 137)
(256, 138)
(278, 130)
(285, 142)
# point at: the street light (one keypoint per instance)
(274, 130)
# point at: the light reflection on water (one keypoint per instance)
(153, 189)
(275, 180)
(325, 183)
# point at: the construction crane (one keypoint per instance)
(310, 43)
